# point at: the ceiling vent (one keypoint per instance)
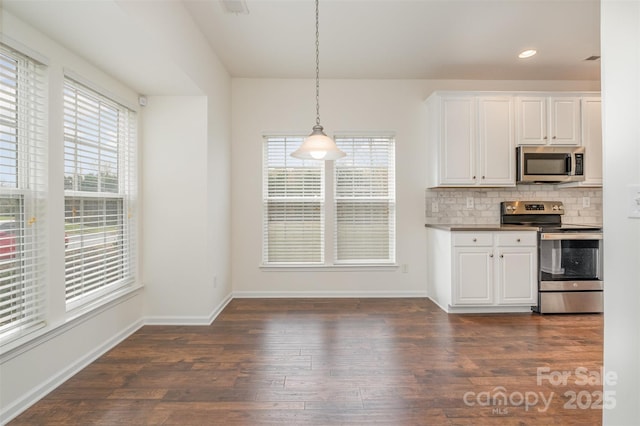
(237, 7)
(592, 58)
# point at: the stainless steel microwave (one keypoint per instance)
(549, 164)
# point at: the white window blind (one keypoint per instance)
(293, 205)
(364, 200)
(23, 162)
(100, 183)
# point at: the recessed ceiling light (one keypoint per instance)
(527, 53)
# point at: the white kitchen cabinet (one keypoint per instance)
(473, 276)
(516, 275)
(483, 271)
(457, 140)
(496, 142)
(592, 140)
(472, 140)
(548, 120)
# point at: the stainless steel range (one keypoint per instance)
(570, 276)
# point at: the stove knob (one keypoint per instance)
(555, 207)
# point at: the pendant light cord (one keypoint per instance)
(317, 64)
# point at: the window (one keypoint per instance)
(362, 200)
(293, 205)
(22, 193)
(99, 181)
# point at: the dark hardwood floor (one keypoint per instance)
(341, 361)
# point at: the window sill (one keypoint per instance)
(352, 267)
(13, 348)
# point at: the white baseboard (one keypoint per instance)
(326, 294)
(187, 320)
(13, 410)
(444, 308)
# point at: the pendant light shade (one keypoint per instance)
(318, 146)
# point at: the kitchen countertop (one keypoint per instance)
(484, 227)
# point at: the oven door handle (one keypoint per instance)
(571, 236)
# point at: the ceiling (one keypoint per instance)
(359, 39)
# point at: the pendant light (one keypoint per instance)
(318, 146)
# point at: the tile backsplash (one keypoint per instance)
(482, 206)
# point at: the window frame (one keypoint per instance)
(25, 311)
(286, 145)
(118, 250)
(388, 200)
(330, 261)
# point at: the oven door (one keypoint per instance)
(571, 278)
(571, 257)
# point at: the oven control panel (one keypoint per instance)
(532, 207)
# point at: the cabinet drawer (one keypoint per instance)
(472, 239)
(516, 238)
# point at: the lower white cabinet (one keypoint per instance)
(492, 270)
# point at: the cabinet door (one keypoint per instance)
(472, 276)
(531, 117)
(457, 142)
(496, 141)
(517, 275)
(564, 121)
(592, 141)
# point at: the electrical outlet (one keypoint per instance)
(405, 268)
(469, 202)
(434, 207)
(215, 281)
(586, 202)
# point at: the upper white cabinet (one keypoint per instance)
(592, 140)
(472, 140)
(496, 162)
(548, 120)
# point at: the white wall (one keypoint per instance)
(186, 159)
(175, 207)
(198, 150)
(64, 345)
(263, 106)
(620, 31)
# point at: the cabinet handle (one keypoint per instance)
(474, 177)
(501, 256)
(482, 177)
(475, 239)
(545, 138)
(553, 137)
(491, 255)
(518, 240)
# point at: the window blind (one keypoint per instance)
(23, 163)
(293, 205)
(100, 183)
(364, 200)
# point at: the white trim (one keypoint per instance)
(364, 134)
(351, 267)
(328, 294)
(486, 309)
(26, 343)
(97, 88)
(23, 49)
(183, 320)
(39, 392)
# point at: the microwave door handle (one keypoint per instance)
(568, 164)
